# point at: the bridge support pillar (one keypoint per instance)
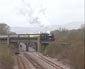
(38, 45)
(27, 47)
(8, 40)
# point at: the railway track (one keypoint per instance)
(21, 63)
(34, 62)
(49, 62)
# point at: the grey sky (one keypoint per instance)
(58, 12)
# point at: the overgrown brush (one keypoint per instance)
(68, 47)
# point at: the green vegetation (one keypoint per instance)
(68, 47)
(6, 57)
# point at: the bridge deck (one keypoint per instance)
(19, 36)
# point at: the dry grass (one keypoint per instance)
(6, 57)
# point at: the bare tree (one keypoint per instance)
(4, 28)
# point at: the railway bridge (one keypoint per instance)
(24, 38)
(27, 39)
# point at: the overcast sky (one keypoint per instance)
(54, 12)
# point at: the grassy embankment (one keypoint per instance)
(6, 57)
(68, 47)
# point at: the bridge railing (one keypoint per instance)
(3, 36)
